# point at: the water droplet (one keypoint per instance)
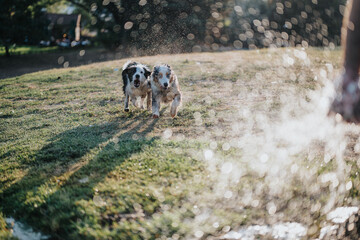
(98, 201)
(271, 207)
(128, 25)
(226, 147)
(264, 158)
(215, 225)
(61, 60)
(143, 2)
(349, 185)
(228, 194)
(199, 234)
(226, 168)
(208, 154)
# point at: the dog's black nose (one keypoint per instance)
(166, 84)
(137, 76)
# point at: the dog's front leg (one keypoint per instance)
(126, 102)
(142, 101)
(133, 100)
(148, 101)
(175, 104)
(155, 106)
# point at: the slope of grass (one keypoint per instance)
(71, 158)
(75, 166)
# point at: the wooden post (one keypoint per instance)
(77, 29)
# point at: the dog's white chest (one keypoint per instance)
(139, 91)
(168, 96)
(136, 91)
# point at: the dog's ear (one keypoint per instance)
(129, 64)
(125, 72)
(147, 71)
(155, 73)
(172, 77)
(168, 66)
(156, 70)
(171, 72)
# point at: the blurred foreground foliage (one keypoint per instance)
(4, 231)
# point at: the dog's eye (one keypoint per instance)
(168, 75)
(141, 72)
(160, 75)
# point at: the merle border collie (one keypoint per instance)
(136, 84)
(165, 88)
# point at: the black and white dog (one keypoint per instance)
(165, 88)
(136, 84)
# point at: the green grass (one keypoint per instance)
(21, 50)
(66, 142)
(75, 166)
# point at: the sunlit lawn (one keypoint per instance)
(75, 166)
(20, 50)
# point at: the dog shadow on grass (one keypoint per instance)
(66, 172)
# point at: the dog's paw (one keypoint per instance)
(126, 110)
(155, 116)
(173, 113)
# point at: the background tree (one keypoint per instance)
(174, 26)
(169, 26)
(279, 23)
(22, 22)
(308, 22)
(154, 26)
